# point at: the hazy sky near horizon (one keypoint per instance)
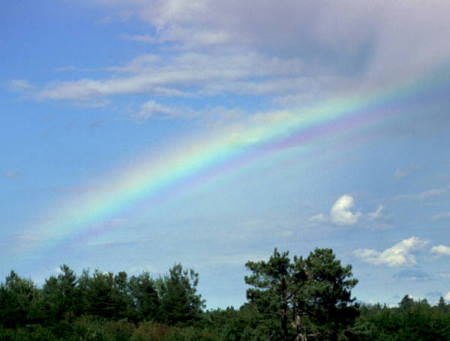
(138, 134)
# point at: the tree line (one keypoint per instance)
(299, 298)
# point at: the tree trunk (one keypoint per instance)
(297, 324)
(284, 317)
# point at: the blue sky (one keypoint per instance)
(91, 90)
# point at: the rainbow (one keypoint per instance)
(225, 148)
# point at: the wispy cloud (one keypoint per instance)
(318, 218)
(21, 86)
(151, 108)
(412, 274)
(401, 173)
(12, 173)
(66, 68)
(376, 214)
(143, 38)
(431, 193)
(190, 74)
(401, 254)
(405, 172)
(440, 216)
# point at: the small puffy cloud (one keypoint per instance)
(377, 213)
(447, 297)
(398, 255)
(341, 213)
(441, 250)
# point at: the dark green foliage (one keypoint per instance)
(304, 298)
(145, 299)
(272, 293)
(61, 295)
(180, 302)
(101, 295)
(412, 320)
(289, 299)
(19, 302)
(329, 305)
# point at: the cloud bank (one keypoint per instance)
(291, 52)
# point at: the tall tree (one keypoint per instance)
(312, 295)
(271, 281)
(100, 294)
(145, 297)
(330, 305)
(19, 301)
(180, 302)
(61, 295)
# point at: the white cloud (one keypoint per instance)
(398, 255)
(291, 52)
(447, 297)
(385, 39)
(190, 74)
(377, 213)
(341, 213)
(441, 250)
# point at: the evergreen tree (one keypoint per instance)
(271, 281)
(312, 296)
(180, 302)
(330, 306)
(145, 297)
(61, 295)
(19, 301)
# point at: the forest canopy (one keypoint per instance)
(299, 298)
